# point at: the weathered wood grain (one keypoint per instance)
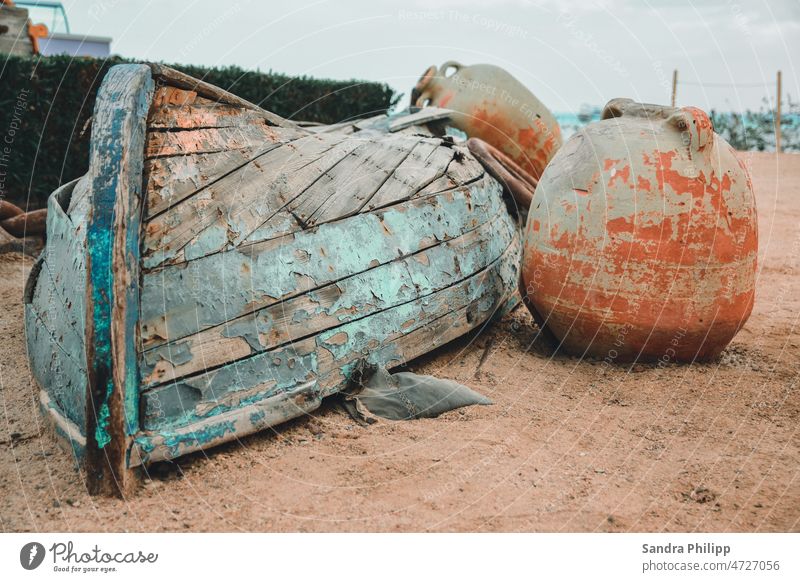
(421, 117)
(166, 444)
(329, 356)
(164, 75)
(308, 182)
(194, 141)
(212, 140)
(55, 312)
(446, 316)
(355, 297)
(227, 211)
(199, 115)
(176, 109)
(462, 169)
(424, 164)
(181, 300)
(80, 202)
(344, 189)
(112, 290)
(354, 191)
(170, 180)
(272, 408)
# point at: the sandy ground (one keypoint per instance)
(568, 445)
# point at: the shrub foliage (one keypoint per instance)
(46, 104)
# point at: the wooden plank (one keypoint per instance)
(202, 113)
(166, 444)
(170, 76)
(226, 425)
(290, 190)
(382, 185)
(175, 108)
(462, 169)
(381, 120)
(303, 182)
(347, 299)
(240, 383)
(428, 161)
(172, 442)
(170, 180)
(171, 96)
(442, 319)
(180, 300)
(226, 212)
(421, 117)
(55, 312)
(344, 128)
(343, 190)
(80, 201)
(194, 141)
(212, 140)
(330, 356)
(112, 300)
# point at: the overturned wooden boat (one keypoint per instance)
(220, 270)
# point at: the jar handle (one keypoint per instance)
(422, 90)
(615, 108)
(449, 65)
(695, 125)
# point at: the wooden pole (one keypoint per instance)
(674, 86)
(778, 116)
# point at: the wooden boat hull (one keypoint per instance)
(220, 270)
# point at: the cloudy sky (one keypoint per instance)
(568, 53)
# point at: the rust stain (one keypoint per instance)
(446, 98)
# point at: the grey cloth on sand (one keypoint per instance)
(404, 395)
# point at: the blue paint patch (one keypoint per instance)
(200, 437)
(257, 417)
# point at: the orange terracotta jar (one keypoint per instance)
(490, 104)
(641, 240)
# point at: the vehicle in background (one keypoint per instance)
(50, 36)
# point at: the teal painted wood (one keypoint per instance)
(329, 357)
(68, 434)
(395, 336)
(483, 296)
(178, 301)
(304, 182)
(55, 311)
(113, 243)
(347, 299)
(291, 315)
(169, 443)
(227, 211)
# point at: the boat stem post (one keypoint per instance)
(112, 300)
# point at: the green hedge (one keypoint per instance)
(45, 104)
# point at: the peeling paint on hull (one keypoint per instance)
(210, 282)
